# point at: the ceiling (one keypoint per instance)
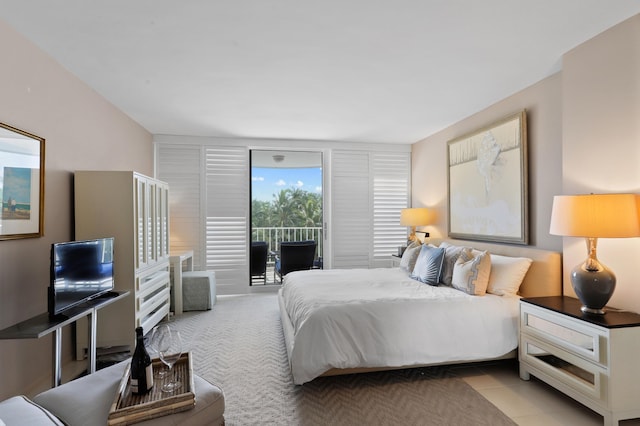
(391, 71)
(278, 159)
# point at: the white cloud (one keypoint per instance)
(257, 178)
(318, 189)
(281, 183)
(300, 184)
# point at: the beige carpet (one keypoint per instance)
(239, 346)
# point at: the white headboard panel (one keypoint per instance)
(545, 274)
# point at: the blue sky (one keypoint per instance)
(265, 182)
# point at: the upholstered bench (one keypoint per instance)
(86, 401)
(198, 290)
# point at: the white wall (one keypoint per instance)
(584, 137)
(543, 104)
(81, 131)
(601, 143)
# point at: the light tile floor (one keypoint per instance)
(528, 403)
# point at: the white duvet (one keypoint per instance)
(382, 318)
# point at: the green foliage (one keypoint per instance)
(289, 208)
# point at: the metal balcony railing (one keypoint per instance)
(274, 235)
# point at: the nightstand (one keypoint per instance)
(592, 358)
(395, 260)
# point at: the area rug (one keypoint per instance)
(239, 346)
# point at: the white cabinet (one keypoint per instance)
(591, 358)
(134, 209)
(395, 260)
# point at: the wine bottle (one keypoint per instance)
(141, 369)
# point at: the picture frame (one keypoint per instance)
(21, 184)
(488, 183)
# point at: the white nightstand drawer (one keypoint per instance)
(593, 359)
(583, 376)
(580, 338)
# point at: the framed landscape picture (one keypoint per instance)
(21, 184)
(488, 189)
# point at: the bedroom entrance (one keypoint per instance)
(286, 214)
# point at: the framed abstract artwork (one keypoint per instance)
(488, 188)
(21, 184)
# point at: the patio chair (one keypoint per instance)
(294, 256)
(259, 251)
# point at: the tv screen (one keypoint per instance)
(80, 271)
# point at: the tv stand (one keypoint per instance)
(43, 324)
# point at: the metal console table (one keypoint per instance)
(43, 324)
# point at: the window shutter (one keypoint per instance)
(227, 202)
(351, 217)
(391, 186)
(209, 206)
(181, 167)
(368, 190)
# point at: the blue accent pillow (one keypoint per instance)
(429, 265)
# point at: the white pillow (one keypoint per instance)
(507, 274)
(409, 257)
(471, 273)
(451, 254)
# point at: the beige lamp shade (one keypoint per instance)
(414, 217)
(596, 216)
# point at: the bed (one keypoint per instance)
(356, 320)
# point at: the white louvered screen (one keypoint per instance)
(391, 186)
(209, 206)
(351, 220)
(368, 191)
(181, 167)
(227, 209)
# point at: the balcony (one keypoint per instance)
(273, 237)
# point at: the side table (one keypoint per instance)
(395, 260)
(176, 260)
(41, 325)
(591, 358)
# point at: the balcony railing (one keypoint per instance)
(274, 236)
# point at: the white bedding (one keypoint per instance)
(368, 318)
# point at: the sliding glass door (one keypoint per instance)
(286, 207)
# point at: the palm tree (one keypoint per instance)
(291, 207)
(283, 211)
(311, 210)
(260, 213)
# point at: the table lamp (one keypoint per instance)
(594, 216)
(414, 217)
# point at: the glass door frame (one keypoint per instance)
(323, 246)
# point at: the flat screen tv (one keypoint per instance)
(80, 271)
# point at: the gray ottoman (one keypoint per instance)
(198, 290)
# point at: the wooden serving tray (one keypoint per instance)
(128, 408)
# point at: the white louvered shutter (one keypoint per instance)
(351, 214)
(391, 186)
(209, 207)
(227, 210)
(181, 167)
(368, 190)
